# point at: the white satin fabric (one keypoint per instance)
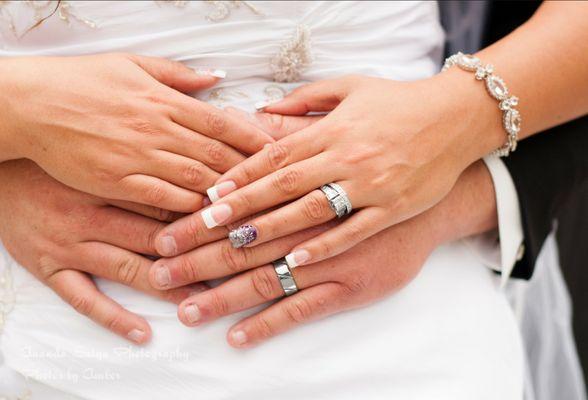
(449, 335)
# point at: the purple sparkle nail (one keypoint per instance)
(243, 235)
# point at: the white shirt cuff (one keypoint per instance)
(502, 248)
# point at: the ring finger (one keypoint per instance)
(308, 211)
(250, 289)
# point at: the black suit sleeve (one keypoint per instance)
(546, 169)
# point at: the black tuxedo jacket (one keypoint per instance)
(548, 168)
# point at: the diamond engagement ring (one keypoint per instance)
(285, 276)
(337, 198)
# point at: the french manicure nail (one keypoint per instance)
(216, 215)
(220, 190)
(297, 258)
(168, 246)
(162, 276)
(239, 338)
(192, 313)
(217, 73)
(136, 335)
(243, 235)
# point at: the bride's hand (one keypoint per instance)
(396, 148)
(119, 126)
(62, 236)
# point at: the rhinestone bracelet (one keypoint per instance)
(511, 118)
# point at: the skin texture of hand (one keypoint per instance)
(62, 236)
(393, 161)
(118, 126)
(375, 268)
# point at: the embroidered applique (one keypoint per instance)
(42, 10)
(293, 57)
(222, 9)
(274, 93)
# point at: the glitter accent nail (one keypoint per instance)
(243, 235)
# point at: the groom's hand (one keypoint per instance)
(62, 236)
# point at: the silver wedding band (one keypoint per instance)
(285, 276)
(338, 199)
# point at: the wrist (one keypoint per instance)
(470, 208)
(472, 118)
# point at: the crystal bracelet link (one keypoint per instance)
(511, 118)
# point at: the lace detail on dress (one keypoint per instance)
(222, 9)
(294, 56)
(43, 10)
(7, 296)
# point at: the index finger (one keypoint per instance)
(215, 123)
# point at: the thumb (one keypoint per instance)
(321, 96)
(276, 125)
(176, 75)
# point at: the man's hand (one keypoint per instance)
(61, 236)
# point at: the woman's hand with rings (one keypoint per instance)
(119, 126)
(394, 148)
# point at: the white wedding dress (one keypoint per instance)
(449, 335)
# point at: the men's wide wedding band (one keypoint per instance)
(338, 199)
(285, 276)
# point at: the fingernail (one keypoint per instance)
(192, 313)
(217, 73)
(168, 246)
(136, 335)
(216, 215)
(243, 235)
(220, 190)
(162, 276)
(239, 338)
(297, 258)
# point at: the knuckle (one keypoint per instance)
(162, 214)
(82, 303)
(217, 125)
(263, 328)
(325, 248)
(232, 258)
(244, 202)
(114, 322)
(298, 310)
(215, 152)
(127, 270)
(196, 231)
(315, 207)
(356, 282)
(286, 182)
(188, 270)
(194, 174)
(140, 125)
(155, 194)
(352, 232)
(264, 283)
(219, 303)
(277, 155)
(46, 267)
